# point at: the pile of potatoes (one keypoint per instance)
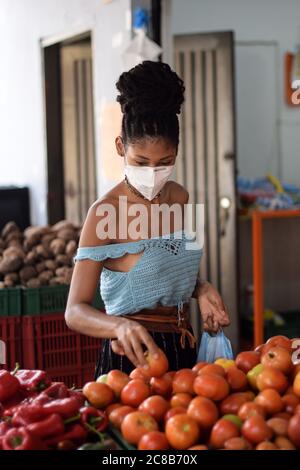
(38, 256)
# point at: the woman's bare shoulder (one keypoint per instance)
(178, 193)
(91, 233)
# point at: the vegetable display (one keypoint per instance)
(38, 256)
(250, 403)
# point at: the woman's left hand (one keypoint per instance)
(213, 310)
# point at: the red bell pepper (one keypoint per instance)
(75, 433)
(13, 402)
(94, 418)
(21, 439)
(79, 395)
(4, 427)
(33, 380)
(9, 385)
(27, 414)
(56, 390)
(51, 426)
(66, 407)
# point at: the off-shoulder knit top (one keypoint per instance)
(165, 274)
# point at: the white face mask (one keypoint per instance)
(148, 180)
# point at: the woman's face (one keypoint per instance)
(146, 152)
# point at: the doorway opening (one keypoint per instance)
(71, 166)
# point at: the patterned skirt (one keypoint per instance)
(178, 357)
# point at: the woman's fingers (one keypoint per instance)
(138, 350)
(117, 347)
(130, 353)
(207, 321)
(149, 342)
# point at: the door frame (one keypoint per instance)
(229, 153)
(52, 112)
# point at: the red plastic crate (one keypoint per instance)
(11, 335)
(50, 345)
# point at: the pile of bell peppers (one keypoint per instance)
(37, 414)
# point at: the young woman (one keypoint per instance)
(145, 283)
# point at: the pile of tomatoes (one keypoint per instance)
(250, 403)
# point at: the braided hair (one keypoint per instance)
(150, 96)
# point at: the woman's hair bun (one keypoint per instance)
(150, 88)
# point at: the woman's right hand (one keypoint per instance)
(131, 336)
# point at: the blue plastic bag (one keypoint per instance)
(213, 347)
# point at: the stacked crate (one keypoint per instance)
(11, 326)
(38, 338)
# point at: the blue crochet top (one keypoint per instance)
(165, 274)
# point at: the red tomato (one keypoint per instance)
(211, 386)
(183, 381)
(256, 430)
(135, 392)
(204, 411)
(116, 416)
(270, 400)
(156, 406)
(181, 399)
(161, 385)
(279, 358)
(153, 440)
(98, 394)
(182, 431)
(221, 432)
(117, 380)
(156, 366)
(136, 424)
(177, 410)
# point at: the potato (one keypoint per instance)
(71, 248)
(30, 258)
(8, 228)
(15, 243)
(30, 243)
(51, 264)
(34, 234)
(8, 283)
(45, 277)
(10, 263)
(34, 282)
(40, 267)
(57, 281)
(58, 246)
(66, 234)
(60, 272)
(36, 231)
(62, 224)
(62, 260)
(14, 277)
(14, 236)
(2, 285)
(47, 239)
(26, 273)
(14, 251)
(42, 252)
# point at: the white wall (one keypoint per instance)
(274, 21)
(22, 24)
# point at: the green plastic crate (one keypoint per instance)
(11, 301)
(49, 299)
